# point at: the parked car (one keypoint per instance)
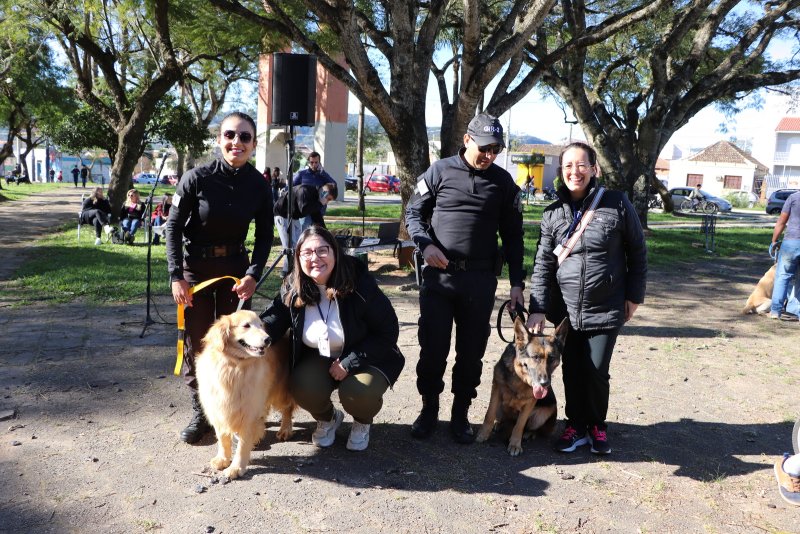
(743, 198)
(777, 199)
(382, 183)
(351, 183)
(679, 194)
(145, 178)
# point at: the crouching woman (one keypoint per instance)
(344, 336)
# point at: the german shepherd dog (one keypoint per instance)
(522, 396)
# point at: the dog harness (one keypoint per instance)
(182, 318)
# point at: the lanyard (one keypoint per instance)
(576, 219)
(324, 318)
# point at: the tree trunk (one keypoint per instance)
(128, 154)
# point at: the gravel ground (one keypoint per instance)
(703, 400)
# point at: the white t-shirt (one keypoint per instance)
(323, 319)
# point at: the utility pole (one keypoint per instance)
(360, 157)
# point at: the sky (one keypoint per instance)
(540, 116)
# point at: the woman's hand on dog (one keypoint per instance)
(535, 323)
(245, 289)
(181, 293)
(337, 371)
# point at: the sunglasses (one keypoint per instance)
(486, 149)
(321, 252)
(244, 137)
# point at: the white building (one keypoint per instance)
(786, 161)
(721, 169)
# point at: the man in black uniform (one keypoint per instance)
(459, 205)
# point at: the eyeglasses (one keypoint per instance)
(580, 167)
(244, 137)
(321, 252)
(487, 149)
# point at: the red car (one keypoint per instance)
(382, 183)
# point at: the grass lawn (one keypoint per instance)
(16, 192)
(63, 269)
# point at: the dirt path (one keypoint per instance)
(703, 400)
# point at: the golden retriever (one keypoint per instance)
(240, 379)
(761, 298)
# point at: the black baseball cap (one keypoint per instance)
(486, 130)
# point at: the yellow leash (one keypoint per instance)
(182, 318)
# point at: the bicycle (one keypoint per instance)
(702, 206)
(655, 202)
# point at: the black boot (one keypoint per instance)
(459, 423)
(426, 422)
(198, 426)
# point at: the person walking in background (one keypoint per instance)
(96, 210)
(344, 334)
(60, 176)
(591, 266)
(75, 174)
(212, 209)
(130, 216)
(84, 174)
(458, 207)
(788, 260)
(316, 176)
(277, 183)
(308, 201)
(51, 176)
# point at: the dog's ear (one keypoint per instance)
(521, 333)
(561, 331)
(219, 333)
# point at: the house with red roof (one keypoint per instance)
(721, 168)
(786, 161)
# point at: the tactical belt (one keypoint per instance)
(215, 251)
(469, 265)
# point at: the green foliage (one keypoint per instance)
(83, 130)
(375, 143)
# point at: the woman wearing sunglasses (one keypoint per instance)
(211, 213)
(344, 336)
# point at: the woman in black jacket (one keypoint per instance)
(598, 283)
(344, 335)
(96, 210)
(212, 209)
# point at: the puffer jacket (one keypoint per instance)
(370, 325)
(607, 266)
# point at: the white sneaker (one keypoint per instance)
(97, 241)
(325, 433)
(359, 437)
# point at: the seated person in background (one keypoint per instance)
(130, 217)
(159, 216)
(344, 336)
(309, 201)
(96, 210)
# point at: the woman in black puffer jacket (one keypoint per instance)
(598, 285)
(344, 336)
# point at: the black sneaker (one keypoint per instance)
(599, 440)
(570, 440)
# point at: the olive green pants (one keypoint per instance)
(361, 394)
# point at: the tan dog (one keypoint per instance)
(239, 380)
(521, 391)
(760, 299)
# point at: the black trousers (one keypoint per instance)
(466, 299)
(585, 365)
(97, 218)
(209, 304)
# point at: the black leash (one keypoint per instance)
(517, 311)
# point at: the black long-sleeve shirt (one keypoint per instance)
(461, 210)
(213, 205)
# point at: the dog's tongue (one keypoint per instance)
(539, 392)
